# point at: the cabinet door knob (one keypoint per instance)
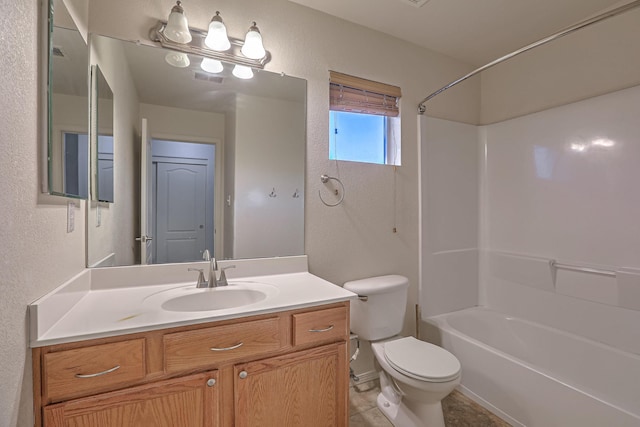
(211, 382)
(243, 374)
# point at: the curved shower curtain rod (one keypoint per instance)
(583, 24)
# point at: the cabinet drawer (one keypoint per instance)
(204, 347)
(83, 371)
(320, 326)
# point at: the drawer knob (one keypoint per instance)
(211, 382)
(233, 347)
(243, 374)
(321, 330)
(97, 374)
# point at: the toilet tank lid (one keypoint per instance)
(377, 285)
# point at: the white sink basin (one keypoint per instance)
(192, 299)
(214, 299)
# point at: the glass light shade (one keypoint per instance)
(253, 47)
(242, 72)
(177, 28)
(211, 65)
(177, 59)
(217, 38)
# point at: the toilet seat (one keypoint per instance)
(421, 360)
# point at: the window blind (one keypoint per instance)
(356, 95)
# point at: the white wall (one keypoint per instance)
(269, 144)
(594, 61)
(168, 122)
(563, 184)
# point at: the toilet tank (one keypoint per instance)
(382, 314)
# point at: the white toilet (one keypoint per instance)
(414, 375)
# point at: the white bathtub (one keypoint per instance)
(533, 375)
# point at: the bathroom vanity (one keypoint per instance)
(282, 361)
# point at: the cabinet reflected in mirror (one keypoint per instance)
(67, 145)
(203, 161)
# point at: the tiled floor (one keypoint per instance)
(459, 410)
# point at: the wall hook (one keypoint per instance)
(296, 194)
(326, 178)
(273, 193)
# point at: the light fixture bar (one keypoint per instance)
(197, 47)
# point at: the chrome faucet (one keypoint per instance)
(213, 281)
(213, 267)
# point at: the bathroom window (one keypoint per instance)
(364, 120)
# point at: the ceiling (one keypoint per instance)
(472, 31)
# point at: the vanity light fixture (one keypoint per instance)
(253, 47)
(177, 28)
(242, 72)
(211, 65)
(217, 38)
(177, 59)
(214, 45)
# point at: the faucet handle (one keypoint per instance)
(222, 281)
(201, 283)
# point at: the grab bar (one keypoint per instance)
(573, 267)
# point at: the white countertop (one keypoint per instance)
(89, 307)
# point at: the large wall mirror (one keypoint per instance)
(204, 161)
(67, 127)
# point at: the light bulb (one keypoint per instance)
(177, 59)
(217, 38)
(177, 28)
(253, 47)
(242, 72)
(211, 65)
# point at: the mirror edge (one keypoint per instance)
(93, 131)
(44, 69)
(45, 98)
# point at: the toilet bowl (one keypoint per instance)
(414, 378)
(414, 375)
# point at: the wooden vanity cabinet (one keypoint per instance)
(190, 401)
(281, 369)
(305, 388)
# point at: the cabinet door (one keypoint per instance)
(191, 401)
(307, 388)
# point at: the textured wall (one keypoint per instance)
(36, 253)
